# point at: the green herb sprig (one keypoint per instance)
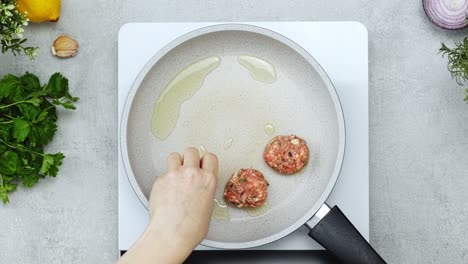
(458, 62)
(11, 30)
(27, 123)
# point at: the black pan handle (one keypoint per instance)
(339, 236)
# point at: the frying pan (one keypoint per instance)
(233, 106)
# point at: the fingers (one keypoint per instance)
(174, 161)
(191, 158)
(209, 163)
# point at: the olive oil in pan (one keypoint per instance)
(228, 143)
(259, 69)
(269, 129)
(182, 87)
(259, 210)
(220, 211)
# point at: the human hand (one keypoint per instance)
(181, 201)
(180, 206)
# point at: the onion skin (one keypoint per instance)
(447, 14)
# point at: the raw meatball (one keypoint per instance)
(246, 188)
(286, 154)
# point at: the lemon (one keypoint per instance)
(40, 10)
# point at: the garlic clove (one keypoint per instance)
(64, 47)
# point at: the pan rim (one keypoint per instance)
(278, 37)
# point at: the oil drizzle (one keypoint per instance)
(269, 129)
(220, 211)
(228, 143)
(182, 87)
(259, 69)
(259, 210)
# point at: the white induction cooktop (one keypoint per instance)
(342, 50)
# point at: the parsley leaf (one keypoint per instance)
(3, 195)
(9, 162)
(30, 82)
(21, 129)
(8, 84)
(58, 86)
(29, 111)
(50, 164)
(28, 116)
(30, 180)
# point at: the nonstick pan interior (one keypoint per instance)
(232, 105)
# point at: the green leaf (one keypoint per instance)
(17, 95)
(47, 161)
(66, 105)
(30, 180)
(8, 84)
(9, 163)
(33, 137)
(46, 131)
(4, 195)
(9, 187)
(5, 131)
(30, 82)
(3, 148)
(21, 129)
(69, 105)
(51, 163)
(57, 86)
(40, 93)
(443, 48)
(35, 101)
(58, 159)
(41, 116)
(31, 112)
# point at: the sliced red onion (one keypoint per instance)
(448, 14)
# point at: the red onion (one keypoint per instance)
(448, 14)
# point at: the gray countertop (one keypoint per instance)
(418, 130)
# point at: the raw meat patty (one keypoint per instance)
(246, 188)
(286, 154)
